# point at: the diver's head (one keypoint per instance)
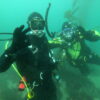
(68, 31)
(67, 25)
(36, 21)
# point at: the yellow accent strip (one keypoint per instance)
(97, 33)
(6, 45)
(56, 41)
(74, 51)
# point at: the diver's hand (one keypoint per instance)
(19, 37)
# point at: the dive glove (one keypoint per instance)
(19, 38)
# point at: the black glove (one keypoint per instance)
(19, 38)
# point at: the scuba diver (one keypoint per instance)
(72, 41)
(31, 52)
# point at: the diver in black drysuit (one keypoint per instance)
(30, 50)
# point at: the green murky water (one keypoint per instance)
(74, 86)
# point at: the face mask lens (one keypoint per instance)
(66, 30)
(37, 24)
(68, 33)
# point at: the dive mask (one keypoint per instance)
(68, 33)
(37, 23)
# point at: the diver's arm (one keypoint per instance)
(55, 43)
(9, 56)
(6, 59)
(89, 35)
(92, 35)
(18, 46)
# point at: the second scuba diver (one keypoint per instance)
(72, 40)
